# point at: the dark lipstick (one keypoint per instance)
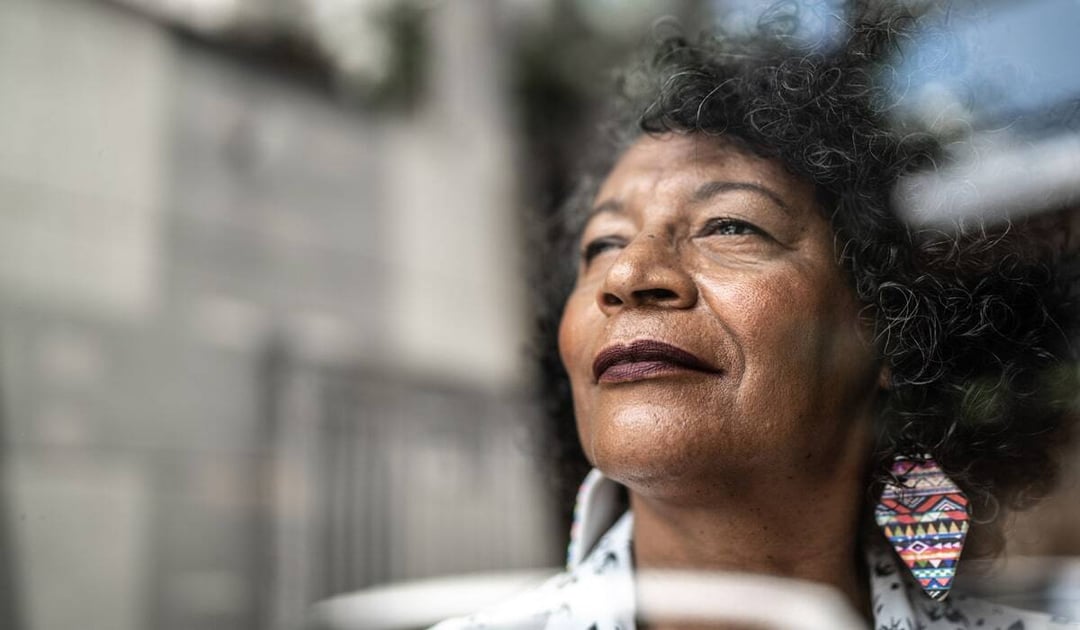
(643, 359)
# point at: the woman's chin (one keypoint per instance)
(663, 473)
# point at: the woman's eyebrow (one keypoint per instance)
(611, 205)
(710, 189)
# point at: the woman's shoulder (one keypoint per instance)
(532, 609)
(899, 604)
(971, 612)
(596, 591)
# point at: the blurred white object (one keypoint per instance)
(743, 599)
(995, 183)
(1064, 592)
(422, 603)
(667, 595)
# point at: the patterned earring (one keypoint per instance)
(925, 517)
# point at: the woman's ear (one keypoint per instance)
(884, 377)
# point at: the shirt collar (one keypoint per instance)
(596, 509)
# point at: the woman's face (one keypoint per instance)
(711, 335)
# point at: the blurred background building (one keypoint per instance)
(264, 323)
(263, 316)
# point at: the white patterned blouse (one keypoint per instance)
(597, 591)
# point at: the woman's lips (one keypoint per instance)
(645, 359)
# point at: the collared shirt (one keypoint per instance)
(597, 590)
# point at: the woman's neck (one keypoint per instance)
(786, 530)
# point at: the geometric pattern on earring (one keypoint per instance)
(925, 517)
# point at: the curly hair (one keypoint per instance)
(974, 325)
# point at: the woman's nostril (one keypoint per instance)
(655, 295)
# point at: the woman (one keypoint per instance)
(772, 374)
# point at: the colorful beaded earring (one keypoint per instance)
(925, 517)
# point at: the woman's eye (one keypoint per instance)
(598, 246)
(729, 227)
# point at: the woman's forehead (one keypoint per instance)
(683, 166)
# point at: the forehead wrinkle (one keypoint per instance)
(644, 181)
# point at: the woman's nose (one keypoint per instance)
(647, 272)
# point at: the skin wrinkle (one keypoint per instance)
(711, 459)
